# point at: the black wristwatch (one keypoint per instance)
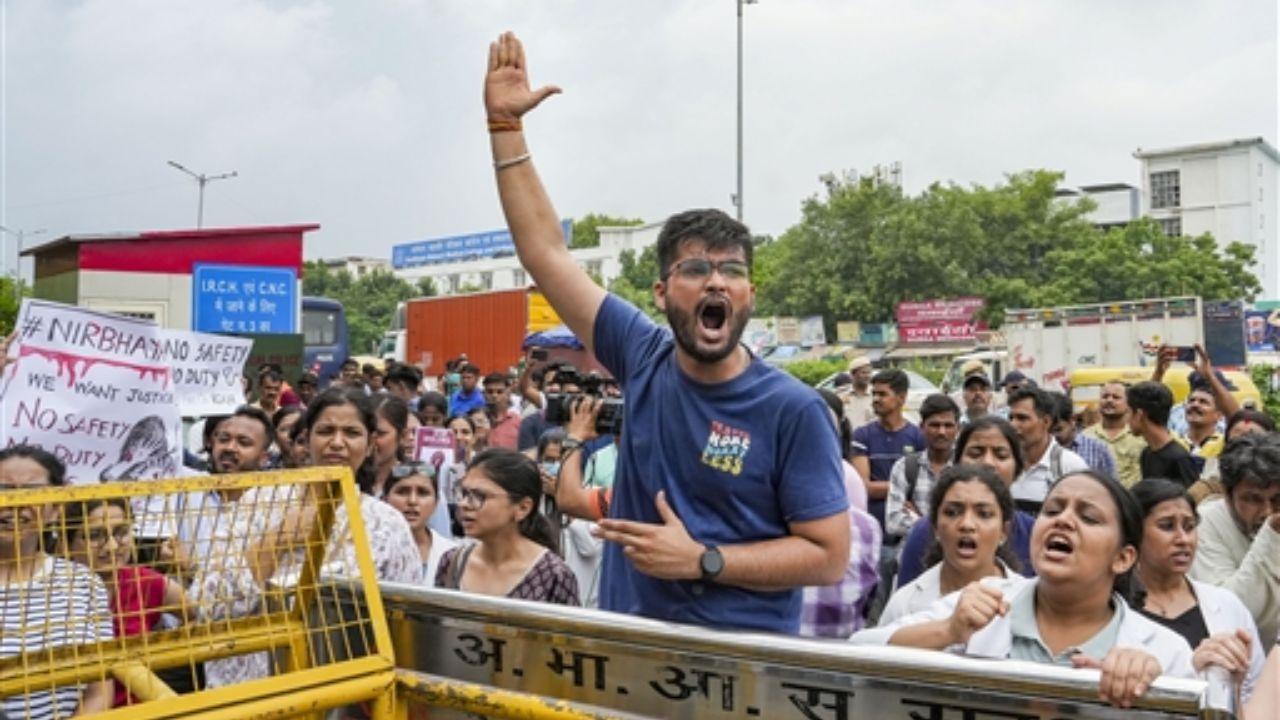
(711, 563)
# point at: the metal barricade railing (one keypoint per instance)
(197, 597)
(507, 658)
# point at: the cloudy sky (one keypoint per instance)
(365, 115)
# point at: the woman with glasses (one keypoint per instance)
(512, 554)
(45, 601)
(414, 491)
(98, 534)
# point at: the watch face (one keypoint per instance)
(712, 562)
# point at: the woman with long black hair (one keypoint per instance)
(1084, 545)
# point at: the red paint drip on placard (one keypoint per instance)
(79, 365)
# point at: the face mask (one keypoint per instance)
(552, 468)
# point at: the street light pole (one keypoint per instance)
(18, 236)
(203, 180)
(737, 197)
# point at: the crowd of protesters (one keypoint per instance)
(1142, 539)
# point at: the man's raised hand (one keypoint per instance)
(506, 85)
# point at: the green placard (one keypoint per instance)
(286, 350)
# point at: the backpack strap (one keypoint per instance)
(911, 469)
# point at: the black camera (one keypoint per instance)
(560, 405)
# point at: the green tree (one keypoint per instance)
(426, 287)
(370, 302)
(865, 247)
(1140, 261)
(10, 302)
(586, 229)
(635, 281)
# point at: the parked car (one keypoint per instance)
(921, 387)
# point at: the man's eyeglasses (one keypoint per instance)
(404, 470)
(470, 497)
(701, 269)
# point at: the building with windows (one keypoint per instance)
(1116, 204)
(356, 265)
(497, 268)
(1224, 188)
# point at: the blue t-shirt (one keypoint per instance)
(884, 448)
(739, 461)
(916, 546)
(462, 403)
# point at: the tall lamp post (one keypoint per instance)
(18, 236)
(203, 180)
(737, 196)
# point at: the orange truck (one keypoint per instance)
(490, 327)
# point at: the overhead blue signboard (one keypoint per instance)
(244, 299)
(460, 247)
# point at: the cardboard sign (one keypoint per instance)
(94, 389)
(435, 446)
(206, 371)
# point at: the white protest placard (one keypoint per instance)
(206, 370)
(93, 389)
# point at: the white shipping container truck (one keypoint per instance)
(1046, 344)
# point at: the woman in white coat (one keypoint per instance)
(1083, 546)
(971, 512)
(1211, 619)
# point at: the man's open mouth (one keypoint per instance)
(713, 313)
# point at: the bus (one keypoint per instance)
(324, 330)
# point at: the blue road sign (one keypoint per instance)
(460, 247)
(244, 299)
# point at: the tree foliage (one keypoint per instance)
(865, 247)
(635, 282)
(586, 229)
(10, 301)
(370, 301)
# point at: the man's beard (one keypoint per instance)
(685, 328)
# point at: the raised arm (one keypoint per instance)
(1227, 403)
(534, 224)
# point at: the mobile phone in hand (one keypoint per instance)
(1186, 353)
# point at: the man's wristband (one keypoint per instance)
(570, 444)
(497, 126)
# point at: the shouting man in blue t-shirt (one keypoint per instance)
(729, 494)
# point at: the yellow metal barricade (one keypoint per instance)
(197, 597)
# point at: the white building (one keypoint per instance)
(1118, 204)
(1224, 188)
(356, 265)
(504, 272)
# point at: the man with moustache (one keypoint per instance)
(1126, 446)
(729, 493)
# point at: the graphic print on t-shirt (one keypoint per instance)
(726, 448)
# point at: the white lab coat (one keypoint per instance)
(996, 639)
(920, 593)
(1224, 612)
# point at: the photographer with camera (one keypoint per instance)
(580, 495)
(729, 495)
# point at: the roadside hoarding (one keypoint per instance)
(939, 321)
